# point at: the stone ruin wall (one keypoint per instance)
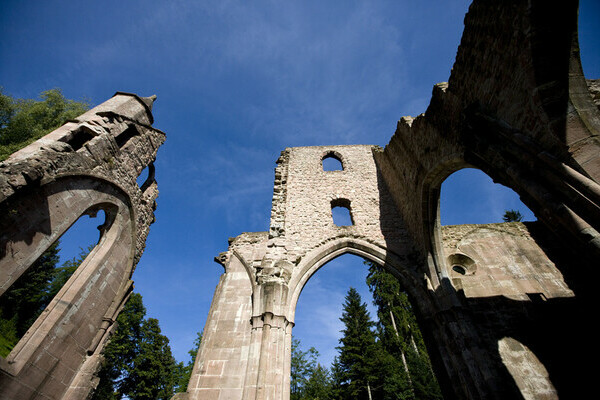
(514, 325)
(516, 107)
(87, 165)
(502, 260)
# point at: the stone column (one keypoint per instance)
(268, 364)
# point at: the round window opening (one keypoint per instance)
(462, 264)
(459, 269)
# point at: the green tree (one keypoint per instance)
(23, 121)
(309, 379)
(29, 295)
(318, 385)
(153, 374)
(302, 364)
(357, 351)
(138, 363)
(120, 352)
(512, 216)
(26, 298)
(405, 357)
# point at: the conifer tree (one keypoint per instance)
(26, 298)
(401, 339)
(303, 364)
(153, 374)
(512, 216)
(358, 351)
(138, 361)
(318, 385)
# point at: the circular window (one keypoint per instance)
(462, 264)
(459, 269)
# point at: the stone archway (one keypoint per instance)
(514, 107)
(87, 165)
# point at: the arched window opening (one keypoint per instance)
(521, 361)
(146, 177)
(459, 269)
(32, 292)
(469, 196)
(462, 264)
(332, 162)
(346, 298)
(341, 212)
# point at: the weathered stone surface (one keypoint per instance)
(86, 165)
(504, 307)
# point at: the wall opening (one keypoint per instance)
(469, 196)
(146, 177)
(332, 162)
(32, 292)
(123, 137)
(78, 138)
(521, 361)
(317, 325)
(341, 212)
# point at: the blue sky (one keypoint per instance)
(237, 82)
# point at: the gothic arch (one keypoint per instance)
(430, 192)
(321, 255)
(77, 169)
(98, 270)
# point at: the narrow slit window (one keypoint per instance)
(146, 177)
(341, 212)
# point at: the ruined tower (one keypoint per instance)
(87, 165)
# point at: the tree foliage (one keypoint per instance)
(309, 379)
(358, 350)
(23, 121)
(302, 364)
(138, 363)
(512, 216)
(404, 350)
(383, 361)
(31, 293)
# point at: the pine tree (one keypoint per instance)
(138, 362)
(121, 351)
(512, 216)
(338, 380)
(318, 385)
(302, 365)
(26, 298)
(401, 339)
(358, 350)
(153, 374)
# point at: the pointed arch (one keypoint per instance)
(326, 252)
